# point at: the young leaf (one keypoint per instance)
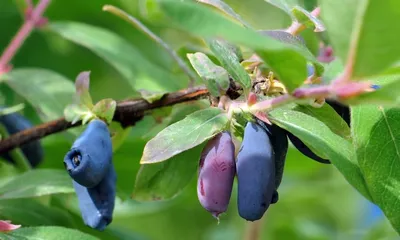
(317, 135)
(307, 19)
(73, 113)
(354, 34)
(286, 61)
(225, 9)
(46, 232)
(185, 134)
(165, 180)
(138, 70)
(38, 182)
(105, 109)
(215, 77)
(375, 132)
(82, 89)
(230, 61)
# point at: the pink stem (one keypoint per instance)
(22, 34)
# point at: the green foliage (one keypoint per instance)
(230, 60)
(354, 36)
(285, 60)
(47, 232)
(186, 134)
(158, 157)
(36, 183)
(165, 180)
(215, 77)
(49, 92)
(315, 133)
(377, 148)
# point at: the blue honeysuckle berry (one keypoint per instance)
(14, 123)
(280, 146)
(97, 203)
(90, 156)
(216, 174)
(255, 169)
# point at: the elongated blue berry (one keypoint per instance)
(97, 204)
(90, 156)
(255, 168)
(216, 174)
(15, 123)
(280, 146)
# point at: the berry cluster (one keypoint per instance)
(89, 163)
(258, 166)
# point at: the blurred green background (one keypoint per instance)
(315, 200)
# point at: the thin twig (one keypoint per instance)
(128, 112)
(16, 154)
(253, 229)
(22, 34)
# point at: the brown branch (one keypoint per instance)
(128, 112)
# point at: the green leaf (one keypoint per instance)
(225, 9)
(105, 109)
(35, 183)
(283, 36)
(38, 213)
(118, 52)
(215, 77)
(317, 135)
(230, 61)
(185, 134)
(312, 41)
(354, 34)
(307, 19)
(332, 70)
(178, 112)
(165, 180)
(329, 117)
(152, 36)
(297, 42)
(375, 132)
(75, 112)
(286, 61)
(49, 92)
(45, 233)
(82, 89)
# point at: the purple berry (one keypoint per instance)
(216, 174)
